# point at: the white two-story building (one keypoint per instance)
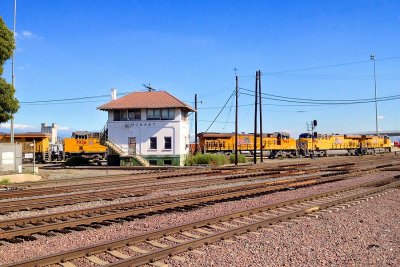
(148, 125)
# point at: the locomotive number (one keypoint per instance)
(81, 142)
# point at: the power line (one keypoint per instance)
(327, 100)
(69, 99)
(326, 103)
(221, 110)
(323, 66)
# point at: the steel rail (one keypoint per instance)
(64, 257)
(52, 201)
(27, 230)
(80, 187)
(168, 199)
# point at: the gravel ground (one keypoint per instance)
(45, 245)
(155, 194)
(367, 234)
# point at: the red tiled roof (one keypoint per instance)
(157, 99)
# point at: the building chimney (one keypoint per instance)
(113, 94)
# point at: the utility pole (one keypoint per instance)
(261, 129)
(195, 123)
(12, 70)
(376, 104)
(255, 121)
(236, 120)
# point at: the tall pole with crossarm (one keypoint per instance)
(372, 57)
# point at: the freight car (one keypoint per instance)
(84, 143)
(333, 144)
(274, 144)
(32, 143)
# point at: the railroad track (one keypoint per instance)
(154, 246)
(21, 192)
(18, 230)
(135, 191)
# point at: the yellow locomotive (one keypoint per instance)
(84, 143)
(336, 144)
(274, 144)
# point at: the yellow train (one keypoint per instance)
(274, 144)
(280, 144)
(84, 143)
(326, 144)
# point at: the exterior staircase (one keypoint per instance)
(116, 149)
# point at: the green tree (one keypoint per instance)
(8, 103)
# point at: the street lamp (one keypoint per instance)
(372, 57)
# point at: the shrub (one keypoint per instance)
(77, 161)
(5, 181)
(211, 159)
(241, 158)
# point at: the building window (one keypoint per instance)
(153, 142)
(161, 114)
(117, 115)
(171, 114)
(134, 114)
(167, 143)
(120, 115)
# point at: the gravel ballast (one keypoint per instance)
(45, 245)
(367, 234)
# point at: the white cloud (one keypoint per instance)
(17, 126)
(27, 35)
(380, 117)
(63, 128)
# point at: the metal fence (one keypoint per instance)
(10, 158)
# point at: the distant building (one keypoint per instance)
(52, 130)
(148, 128)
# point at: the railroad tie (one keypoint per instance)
(241, 222)
(203, 231)
(156, 244)
(177, 258)
(158, 264)
(228, 224)
(198, 252)
(173, 239)
(258, 216)
(137, 249)
(118, 254)
(67, 264)
(188, 234)
(249, 219)
(96, 260)
(214, 246)
(216, 227)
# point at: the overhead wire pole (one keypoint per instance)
(195, 123)
(255, 121)
(376, 104)
(261, 129)
(236, 121)
(12, 70)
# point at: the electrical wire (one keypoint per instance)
(324, 101)
(233, 92)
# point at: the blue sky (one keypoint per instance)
(71, 49)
